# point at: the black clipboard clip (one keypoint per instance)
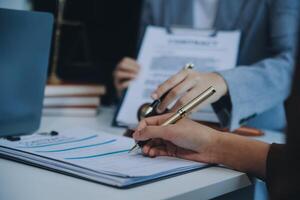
(183, 30)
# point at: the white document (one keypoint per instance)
(95, 155)
(163, 54)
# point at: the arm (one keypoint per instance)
(193, 141)
(245, 90)
(242, 154)
(250, 95)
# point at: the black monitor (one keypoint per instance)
(25, 40)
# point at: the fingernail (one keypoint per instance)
(154, 96)
(159, 110)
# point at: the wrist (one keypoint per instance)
(221, 84)
(215, 149)
(241, 153)
(210, 153)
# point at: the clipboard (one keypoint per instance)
(114, 122)
(195, 34)
(179, 30)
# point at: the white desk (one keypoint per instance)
(22, 182)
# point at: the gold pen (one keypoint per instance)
(182, 112)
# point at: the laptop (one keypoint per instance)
(25, 41)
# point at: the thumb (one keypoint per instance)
(152, 121)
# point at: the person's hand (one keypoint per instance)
(185, 139)
(186, 85)
(126, 70)
(192, 141)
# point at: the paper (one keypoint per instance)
(96, 153)
(163, 55)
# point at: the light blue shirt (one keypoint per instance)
(260, 84)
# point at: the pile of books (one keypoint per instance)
(72, 99)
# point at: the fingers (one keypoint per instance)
(124, 75)
(140, 126)
(153, 121)
(169, 84)
(185, 98)
(129, 65)
(177, 91)
(149, 129)
(158, 151)
(168, 149)
(164, 150)
(150, 132)
(148, 148)
(124, 84)
(159, 147)
(126, 70)
(121, 85)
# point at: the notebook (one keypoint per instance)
(94, 156)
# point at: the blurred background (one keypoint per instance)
(89, 38)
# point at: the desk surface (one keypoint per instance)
(20, 181)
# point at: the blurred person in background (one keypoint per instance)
(264, 67)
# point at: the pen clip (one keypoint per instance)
(184, 30)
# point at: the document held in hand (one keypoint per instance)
(98, 157)
(164, 52)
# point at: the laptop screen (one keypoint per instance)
(25, 40)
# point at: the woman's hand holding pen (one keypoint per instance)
(192, 141)
(185, 139)
(187, 84)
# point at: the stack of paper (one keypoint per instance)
(102, 158)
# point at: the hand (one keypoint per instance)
(126, 70)
(193, 141)
(185, 139)
(188, 84)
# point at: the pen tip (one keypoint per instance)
(148, 111)
(132, 148)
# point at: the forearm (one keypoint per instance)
(250, 96)
(241, 153)
(251, 84)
